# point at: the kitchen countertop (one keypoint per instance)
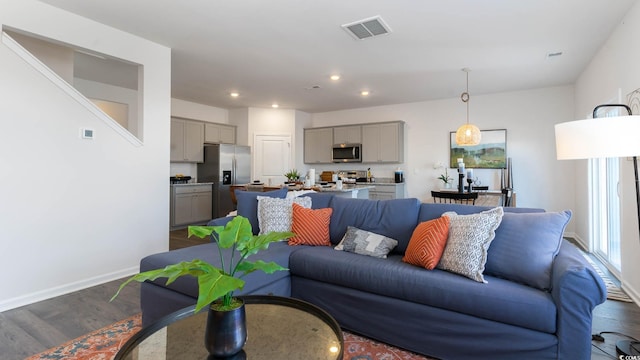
(347, 188)
(384, 183)
(193, 184)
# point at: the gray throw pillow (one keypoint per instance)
(468, 242)
(366, 243)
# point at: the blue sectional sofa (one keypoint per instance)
(537, 301)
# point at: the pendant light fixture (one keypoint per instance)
(467, 134)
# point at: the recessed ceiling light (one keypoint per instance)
(335, 77)
(364, 93)
(275, 106)
(234, 94)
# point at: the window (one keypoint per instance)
(604, 207)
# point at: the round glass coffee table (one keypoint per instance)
(277, 328)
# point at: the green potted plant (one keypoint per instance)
(217, 284)
(292, 175)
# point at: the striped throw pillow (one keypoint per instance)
(427, 243)
(310, 226)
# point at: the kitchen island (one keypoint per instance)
(349, 191)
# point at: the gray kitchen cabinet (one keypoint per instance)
(318, 143)
(187, 140)
(219, 134)
(383, 142)
(190, 204)
(387, 191)
(347, 134)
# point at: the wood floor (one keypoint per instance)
(37, 327)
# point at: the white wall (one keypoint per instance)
(195, 111)
(101, 91)
(539, 179)
(614, 67)
(75, 213)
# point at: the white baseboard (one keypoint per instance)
(633, 294)
(65, 289)
(578, 239)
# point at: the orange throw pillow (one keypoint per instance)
(427, 243)
(310, 226)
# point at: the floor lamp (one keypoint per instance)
(617, 136)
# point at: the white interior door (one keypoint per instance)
(272, 158)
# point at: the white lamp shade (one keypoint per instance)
(602, 137)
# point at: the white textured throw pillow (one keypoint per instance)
(276, 214)
(468, 242)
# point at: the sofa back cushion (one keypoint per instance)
(248, 204)
(391, 218)
(319, 200)
(525, 247)
(430, 211)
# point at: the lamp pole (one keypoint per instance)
(626, 347)
(635, 158)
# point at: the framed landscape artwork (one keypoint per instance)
(491, 153)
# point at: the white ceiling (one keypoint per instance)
(277, 50)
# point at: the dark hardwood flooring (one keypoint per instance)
(34, 328)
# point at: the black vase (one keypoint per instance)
(226, 331)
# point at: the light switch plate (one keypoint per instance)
(87, 133)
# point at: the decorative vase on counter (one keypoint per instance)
(226, 331)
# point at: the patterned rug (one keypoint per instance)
(614, 292)
(103, 344)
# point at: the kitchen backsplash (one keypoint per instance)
(186, 169)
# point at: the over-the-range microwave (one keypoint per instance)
(343, 153)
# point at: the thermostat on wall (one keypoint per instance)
(87, 133)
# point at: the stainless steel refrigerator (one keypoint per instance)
(224, 165)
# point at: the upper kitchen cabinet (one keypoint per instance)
(317, 145)
(347, 134)
(383, 142)
(219, 134)
(187, 141)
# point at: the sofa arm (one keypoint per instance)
(577, 289)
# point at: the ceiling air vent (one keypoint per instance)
(367, 28)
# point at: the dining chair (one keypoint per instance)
(454, 197)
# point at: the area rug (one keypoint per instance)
(614, 292)
(103, 344)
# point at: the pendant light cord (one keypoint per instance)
(465, 95)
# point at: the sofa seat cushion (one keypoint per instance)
(395, 219)
(278, 252)
(498, 300)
